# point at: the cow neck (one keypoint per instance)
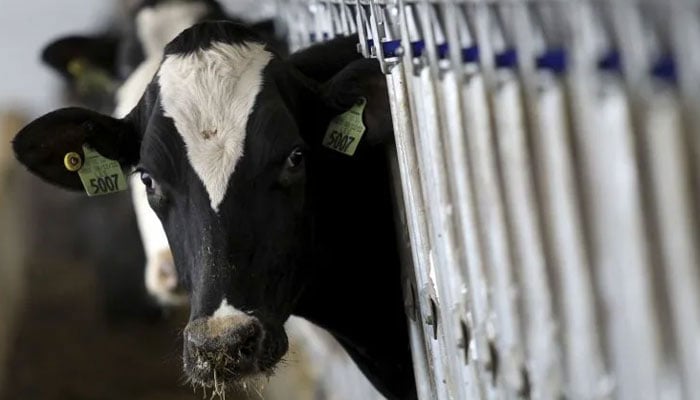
(355, 292)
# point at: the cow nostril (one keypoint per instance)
(245, 342)
(248, 347)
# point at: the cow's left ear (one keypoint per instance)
(362, 79)
(43, 144)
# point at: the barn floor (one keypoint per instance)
(67, 349)
(65, 346)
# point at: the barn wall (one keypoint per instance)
(11, 240)
(548, 156)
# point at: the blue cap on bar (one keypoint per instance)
(507, 59)
(470, 54)
(553, 60)
(665, 69)
(610, 61)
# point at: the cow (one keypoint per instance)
(96, 65)
(109, 72)
(315, 355)
(262, 219)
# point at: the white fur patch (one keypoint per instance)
(210, 94)
(131, 91)
(161, 276)
(227, 310)
(157, 26)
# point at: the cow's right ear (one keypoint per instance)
(88, 63)
(43, 144)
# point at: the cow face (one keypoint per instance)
(225, 141)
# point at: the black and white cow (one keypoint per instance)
(109, 72)
(263, 221)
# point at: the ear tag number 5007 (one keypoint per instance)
(99, 174)
(345, 130)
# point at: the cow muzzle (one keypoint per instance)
(230, 349)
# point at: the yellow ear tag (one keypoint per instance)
(345, 130)
(100, 175)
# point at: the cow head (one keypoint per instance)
(225, 140)
(93, 65)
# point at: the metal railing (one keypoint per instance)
(549, 159)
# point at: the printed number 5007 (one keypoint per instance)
(105, 184)
(340, 141)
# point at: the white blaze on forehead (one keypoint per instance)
(227, 310)
(157, 26)
(210, 94)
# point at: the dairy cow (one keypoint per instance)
(263, 220)
(91, 72)
(110, 71)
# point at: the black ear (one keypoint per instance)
(42, 145)
(362, 78)
(87, 63)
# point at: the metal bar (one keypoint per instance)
(508, 346)
(455, 81)
(401, 78)
(559, 204)
(542, 345)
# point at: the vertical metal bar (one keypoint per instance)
(444, 380)
(685, 31)
(455, 81)
(610, 186)
(403, 108)
(676, 232)
(542, 351)
(559, 204)
(447, 104)
(415, 215)
(587, 47)
(685, 199)
(430, 139)
(425, 356)
(647, 305)
(667, 171)
(492, 218)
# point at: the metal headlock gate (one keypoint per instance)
(549, 159)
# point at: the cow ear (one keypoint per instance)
(89, 64)
(362, 79)
(43, 144)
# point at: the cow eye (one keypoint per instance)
(295, 158)
(148, 182)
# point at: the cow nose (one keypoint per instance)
(167, 276)
(162, 281)
(226, 347)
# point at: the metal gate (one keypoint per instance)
(549, 159)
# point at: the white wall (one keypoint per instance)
(25, 27)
